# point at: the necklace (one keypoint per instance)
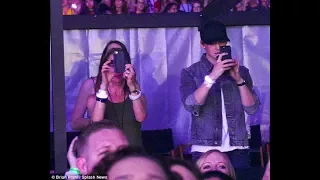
(115, 111)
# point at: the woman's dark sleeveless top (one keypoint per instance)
(123, 115)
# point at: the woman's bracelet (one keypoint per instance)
(139, 93)
(75, 170)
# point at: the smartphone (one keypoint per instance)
(226, 49)
(119, 61)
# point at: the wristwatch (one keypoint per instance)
(137, 95)
(135, 91)
(103, 100)
(241, 84)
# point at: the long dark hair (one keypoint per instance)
(169, 5)
(85, 10)
(102, 61)
(104, 58)
(124, 7)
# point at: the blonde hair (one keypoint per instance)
(204, 156)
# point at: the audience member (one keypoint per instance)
(265, 4)
(157, 6)
(214, 160)
(119, 98)
(196, 6)
(218, 93)
(171, 8)
(94, 142)
(78, 120)
(132, 163)
(104, 7)
(163, 5)
(254, 5)
(119, 7)
(215, 91)
(141, 7)
(89, 8)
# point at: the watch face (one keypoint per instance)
(135, 92)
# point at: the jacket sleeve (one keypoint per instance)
(254, 108)
(187, 89)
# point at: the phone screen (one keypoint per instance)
(119, 61)
(226, 49)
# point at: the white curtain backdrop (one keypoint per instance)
(158, 55)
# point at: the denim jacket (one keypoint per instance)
(206, 126)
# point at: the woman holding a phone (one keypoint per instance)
(113, 109)
(79, 120)
(118, 95)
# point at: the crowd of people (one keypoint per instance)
(216, 90)
(103, 7)
(102, 149)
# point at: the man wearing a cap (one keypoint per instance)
(217, 93)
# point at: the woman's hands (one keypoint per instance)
(107, 74)
(130, 75)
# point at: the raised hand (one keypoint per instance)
(221, 66)
(107, 73)
(130, 75)
(71, 155)
(234, 72)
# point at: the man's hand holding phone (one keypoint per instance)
(221, 66)
(234, 72)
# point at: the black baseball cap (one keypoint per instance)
(213, 31)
